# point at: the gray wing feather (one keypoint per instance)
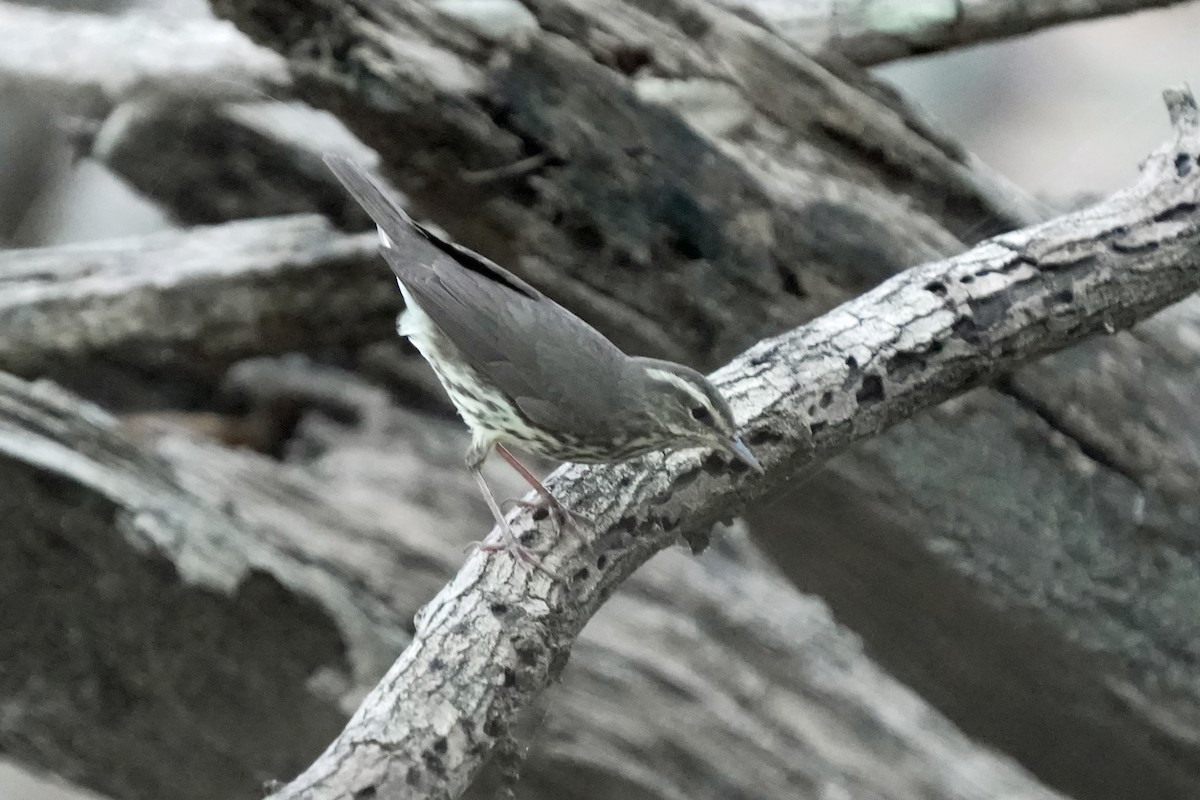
(527, 345)
(398, 225)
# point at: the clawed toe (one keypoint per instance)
(571, 517)
(570, 521)
(511, 545)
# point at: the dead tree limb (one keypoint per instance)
(1022, 558)
(729, 160)
(427, 728)
(207, 162)
(235, 290)
(1050, 389)
(998, 711)
(87, 63)
(246, 606)
(870, 33)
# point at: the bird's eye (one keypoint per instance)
(701, 413)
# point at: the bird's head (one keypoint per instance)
(688, 408)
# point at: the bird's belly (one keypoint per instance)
(414, 323)
(492, 416)
(487, 412)
(601, 450)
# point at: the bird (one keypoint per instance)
(523, 371)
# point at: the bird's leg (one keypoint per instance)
(509, 541)
(563, 517)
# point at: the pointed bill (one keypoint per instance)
(738, 448)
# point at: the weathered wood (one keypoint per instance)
(912, 342)
(186, 305)
(993, 566)
(187, 110)
(206, 162)
(1070, 500)
(187, 614)
(834, 196)
(87, 63)
(746, 324)
(1037, 537)
(727, 162)
(936, 511)
(869, 32)
(246, 606)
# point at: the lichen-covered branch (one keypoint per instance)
(494, 638)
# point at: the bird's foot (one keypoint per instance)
(564, 519)
(509, 543)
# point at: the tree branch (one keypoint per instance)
(427, 728)
(866, 239)
(210, 162)
(234, 290)
(87, 63)
(792, 175)
(823, 233)
(870, 33)
(244, 605)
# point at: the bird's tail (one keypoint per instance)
(375, 199)
(406, 242)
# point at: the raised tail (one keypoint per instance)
(376, 200)
(396, 229)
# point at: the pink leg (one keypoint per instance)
(563, 516)
(509, 542)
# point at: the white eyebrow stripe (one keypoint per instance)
(675, 380)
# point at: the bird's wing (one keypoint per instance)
(527, 345)
(395, 225)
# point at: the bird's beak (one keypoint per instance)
(738, 448)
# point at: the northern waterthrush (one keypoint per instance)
(523, 370)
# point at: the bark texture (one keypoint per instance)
(215, 615)
(676, 140)
(298, 584)
(265, 286)
(871, 32)
(1040, 535)
(428, 727)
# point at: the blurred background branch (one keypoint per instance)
(869, 32)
